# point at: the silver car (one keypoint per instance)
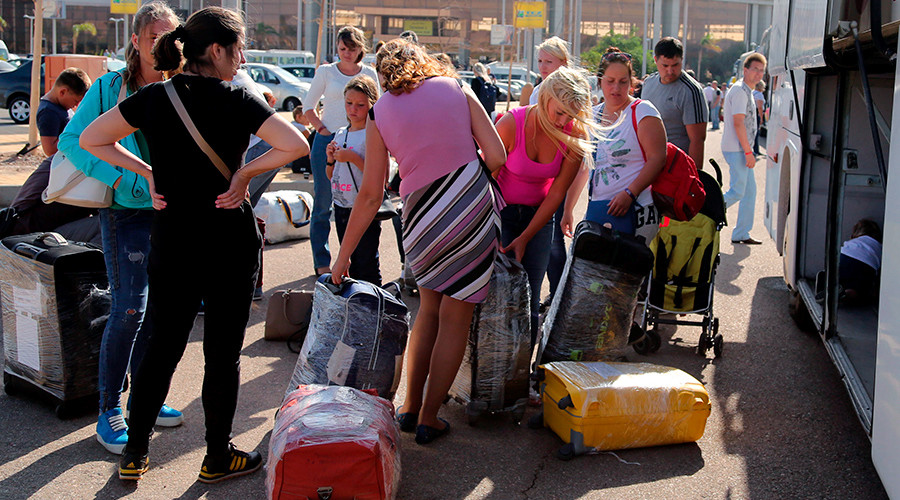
(303, 72)
(289, 92)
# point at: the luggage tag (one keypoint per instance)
(339, 363)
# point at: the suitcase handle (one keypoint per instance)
(336, 289)
(396, 285)
(28, 250)
(565, 402)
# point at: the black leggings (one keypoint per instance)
(214, 261)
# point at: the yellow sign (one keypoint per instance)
(530, 14)
(422, 27)
(124, 6)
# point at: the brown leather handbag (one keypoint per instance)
(288, 314)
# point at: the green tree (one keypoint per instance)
(630, 43)
(264, 35)
(3, 24)
(706, 44)
(77, 30)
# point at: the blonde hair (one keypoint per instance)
(570, 89)
(480, 70)
(558, 48)
(404, 65)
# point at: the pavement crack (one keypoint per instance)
(537, 472)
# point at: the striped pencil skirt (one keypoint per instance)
(451, 233)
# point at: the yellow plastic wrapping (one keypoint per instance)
(611, 406)
(53, 315)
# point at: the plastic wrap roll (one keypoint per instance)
(334, 442)
(496, 364)
(356, 337)
(53, 312)
(611, 406)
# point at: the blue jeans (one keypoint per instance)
(742, 189)
(513, 221)
(126, 247)
(714, 116)
(320, 223)
(364, 263)
(557, 250)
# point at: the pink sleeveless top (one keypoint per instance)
(522, 180)
(428, 130)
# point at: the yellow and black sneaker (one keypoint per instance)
(235, 463)
(132, 466)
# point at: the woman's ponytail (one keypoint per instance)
(167, 54)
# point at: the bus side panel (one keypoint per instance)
(885, 428)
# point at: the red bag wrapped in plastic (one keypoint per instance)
(334, 442)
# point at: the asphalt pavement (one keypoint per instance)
(782, 425)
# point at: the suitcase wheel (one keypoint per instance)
(518, 414)
(650, 343)
(9, 385)
(718, 344)
(536, 421)
(566, 452)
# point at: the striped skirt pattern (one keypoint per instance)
(451, 233)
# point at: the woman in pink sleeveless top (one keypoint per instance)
(545, 144)
(450, 215)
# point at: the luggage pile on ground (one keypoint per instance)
(54, 313)
(494, 373)
(356, 338)
(334, 442)
(591, 314)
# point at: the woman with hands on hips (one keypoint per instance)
(204, 231)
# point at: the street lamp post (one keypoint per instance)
(30, 31)
(116, 27)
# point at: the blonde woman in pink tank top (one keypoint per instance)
(545, 144)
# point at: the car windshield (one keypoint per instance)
(5, 66)
(285, 75)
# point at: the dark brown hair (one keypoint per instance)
(204, 28)
(867, 227)
(75, 79)
(353, 38)
(614, 55)
(147, 15)
(364, 84)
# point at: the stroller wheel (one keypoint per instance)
(703, 343)
(718, 344)
(655, 340)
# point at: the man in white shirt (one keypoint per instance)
(737, 147)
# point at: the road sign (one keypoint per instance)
(124, 6)
(54, 9)
(502, 34)
(530, 14)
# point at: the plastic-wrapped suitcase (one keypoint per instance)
(333, 443)
(591, 315)
(494, 373)
(52, 315)
(356, 337)
(612, 406)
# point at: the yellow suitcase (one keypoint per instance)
(612, 406)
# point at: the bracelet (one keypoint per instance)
(320, 129)
(329, 163)
(748, 154)
(629, 193)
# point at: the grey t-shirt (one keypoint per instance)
(679, 103)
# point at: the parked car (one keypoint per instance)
(289, 92)
(5, 66)
(303, 72)
(15, 91)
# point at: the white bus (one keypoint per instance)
(280, 57)
(830, 162)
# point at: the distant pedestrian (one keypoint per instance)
(484, 88)
(737, 147)
(760, 100)
(679, 99)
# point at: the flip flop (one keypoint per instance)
(426, 434)
(407, 421)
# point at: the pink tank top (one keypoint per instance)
(428, 130)
(522, 180)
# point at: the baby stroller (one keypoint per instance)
(684, 272)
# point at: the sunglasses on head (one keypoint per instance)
(612, 56)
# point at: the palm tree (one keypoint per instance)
(77, 29)
(264, 34)
(3, 24)
(706, 43)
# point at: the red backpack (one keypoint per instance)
(677, 192)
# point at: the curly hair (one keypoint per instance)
(570, 89)
(404, 65)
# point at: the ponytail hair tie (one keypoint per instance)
(180, 33)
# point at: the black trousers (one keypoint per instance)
(364, 262)
(209, 256)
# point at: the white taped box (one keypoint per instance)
(53, 305)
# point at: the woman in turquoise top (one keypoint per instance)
(125, 226)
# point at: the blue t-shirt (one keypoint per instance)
(51, 118)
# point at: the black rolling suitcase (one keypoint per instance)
(53, 306)
(591, 314)
(356, 338)
(493, 376)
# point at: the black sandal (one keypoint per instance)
(407, 421)
(426, 434)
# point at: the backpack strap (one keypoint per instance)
(192, 129)
(634, 124)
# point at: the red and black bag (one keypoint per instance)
(677, 192)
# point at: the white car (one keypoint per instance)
(289, 92)
(303, 72)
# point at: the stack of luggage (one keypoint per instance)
(51, 301)
(494, 373)
(334, 442)
(356, 338)
(591, 314)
